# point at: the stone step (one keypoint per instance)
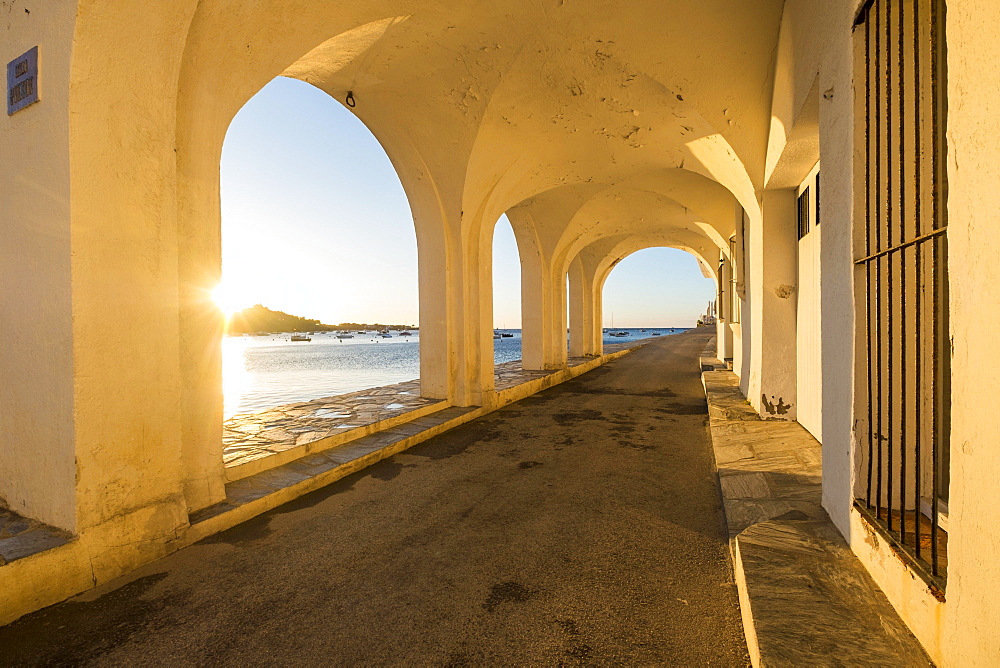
(252, 495)
(711, 364)
(302, 429)
(805, 598)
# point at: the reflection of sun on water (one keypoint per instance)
(236, 379)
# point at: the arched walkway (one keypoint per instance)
(657, 288)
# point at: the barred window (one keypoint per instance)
(803, 213)
(902, 278)
(734, 297)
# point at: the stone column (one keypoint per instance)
(723, 330)
(558, 344)
(454, 269)
(543, 319)
(580, 299)
(773, 246)
(591, 276)
(595, 340)
(456, 290)
(534, 286)
(585, 309)
(201, 327)
(543, 298)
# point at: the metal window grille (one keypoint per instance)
(816, 197)
(803, 213)
(734, 297)
(902, 277)
(720, 294)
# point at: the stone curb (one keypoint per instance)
(805, 598)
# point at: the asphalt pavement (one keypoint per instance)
(582, 525)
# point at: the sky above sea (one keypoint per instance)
(315, 223)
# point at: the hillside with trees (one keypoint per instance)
(259, 318)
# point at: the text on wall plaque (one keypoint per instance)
(22, 81)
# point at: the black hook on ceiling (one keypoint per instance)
(350, 99)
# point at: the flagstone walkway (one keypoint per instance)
(250, 438)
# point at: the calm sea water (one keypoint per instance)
(264, 371)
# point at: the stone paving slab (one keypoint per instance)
(277, 485)
(510, 374)
(254, 442)
(250, 436)
(805, 597)
(21, 537)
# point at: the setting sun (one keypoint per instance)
(228, 300)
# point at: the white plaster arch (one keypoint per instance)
(145, 134)
(590, 268)
(646, 213)
(632, 245)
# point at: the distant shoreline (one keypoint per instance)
(258, 319)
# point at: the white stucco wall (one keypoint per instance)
(773, 296)
(808, 336)
(834, 63)
(37, 461)
(972, 625)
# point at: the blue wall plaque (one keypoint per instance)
(22, 81)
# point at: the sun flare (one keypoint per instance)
(228, 301)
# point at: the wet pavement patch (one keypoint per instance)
(635, 446)
(483, 429)
(664, 393)
(540, 398)
(564, 418)
(458, 440)
(387, 470)
(254, 529)
(506, 592)
(684, 409)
